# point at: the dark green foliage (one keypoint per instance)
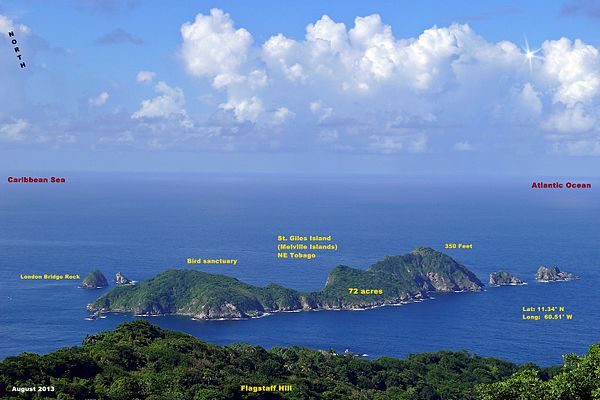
(402, 278)
(209, 296)
(141, 361)
(579, 379)
(199, 294)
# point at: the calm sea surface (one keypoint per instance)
(143, 225)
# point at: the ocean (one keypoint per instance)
(142, 224)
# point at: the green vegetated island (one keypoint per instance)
(94, 280)
(391, 281)
(141, 361)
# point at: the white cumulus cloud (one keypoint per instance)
(212, 46)
(245, 109)
(171, 101)
(7, 25)
(363, 87)
(282, 115)
(98, 100)
(14, 131)
(571, 120)
(574, 66)
(463, 146)
(145, 76)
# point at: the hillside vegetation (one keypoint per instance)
(141, 361)
(394, 280)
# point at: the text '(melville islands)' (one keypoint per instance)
(303, 247)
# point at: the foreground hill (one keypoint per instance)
(141, 361)
(394, 280)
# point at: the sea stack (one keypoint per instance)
(94, 280)
(501, 278)
(553, 274)
(121, 280)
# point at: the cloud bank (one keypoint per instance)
(349, 89)
(361, 88)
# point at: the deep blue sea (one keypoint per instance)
(142, 225)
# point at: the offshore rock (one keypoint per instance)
(94, 280)
(501, 278)
(553, 274)
(121, 280)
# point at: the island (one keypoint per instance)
(392, 281)
(553, 274)
(502, 278)
(94, 280)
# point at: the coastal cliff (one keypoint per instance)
(393, 280)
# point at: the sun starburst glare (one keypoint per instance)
(530, 55)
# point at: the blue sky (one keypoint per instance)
(411, 87)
